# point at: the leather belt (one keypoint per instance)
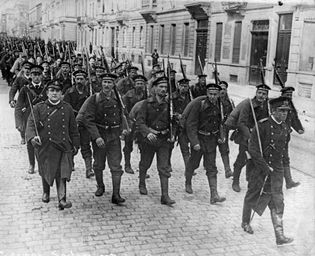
(163, 132)
(208, 133)
(107, 127)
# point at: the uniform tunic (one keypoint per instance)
(273, 139)
(103, 117)
(154, 115)
(59, 134)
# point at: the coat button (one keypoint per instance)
(63, 139)
(63, 120)
(48, 132)
(63, 126)
(105, 115)
(49, 138)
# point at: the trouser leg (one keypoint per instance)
(46, 191)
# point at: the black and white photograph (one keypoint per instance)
(157, 127)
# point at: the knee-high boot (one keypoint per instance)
(100, 184)
(142, 186)
(215, 198)
(227, 168)
(277, 223)
(165, 199)
(88, 167)
(116, 198)
(247, 212)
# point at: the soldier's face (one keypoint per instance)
(45, 67)
(223, 91)
(280, 114)
(213, 95)
(183, 88)
(139, 86)
(132, 73)
(65, 68)
(161, 89)
(36, 77)
(27, 70)
(107, 85)
(80, 81)
(98, 72)
(54, 95)
(287, 94)
(202, 80)
(261, 95)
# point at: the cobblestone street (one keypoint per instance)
(94, 226)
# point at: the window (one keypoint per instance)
(218, 42)
(134, 37)
(151, 39)
(185, 44)
(237, 42)
(141, 37)
(173, 39)
(162, 46)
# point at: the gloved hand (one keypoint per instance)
(197, 147)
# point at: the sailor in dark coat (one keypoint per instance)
(138, 93)
(103, 120)
(200, 88)
(294, 123)
(203, 130)
(241, 119)
(76, 96)
(56, 142)
(127, 83)
(29, 96)
(267, 147)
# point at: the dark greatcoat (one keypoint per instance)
(75, 99)
(59, 134)
(17, 85)
(273, 139)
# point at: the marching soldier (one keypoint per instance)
(294, 122)
(267, 147)
(180, 101)
(76, 96)
(29, 96)
(64, 76)
(153, 125)
(203, 131)
(47, 75)
(200, 88)
(138, 93)
(102, 117)
(56, 141)
(241, 119)
(228, 106)
(19, 82)
(127, 83)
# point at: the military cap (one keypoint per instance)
(79, 73)
(288, 89)
(108, 76)
(54, 84)
(173, 71)
(140, 78)
(44, 62)
(159, 71)
(77, 65)
(183, 81)
(36, 69)
(225, 83)
(64, 63)
(160, 80)
(27, 64)
(202, 75)
(213, 87)
(99, 67)
(132, 68)
(263, 87)
(280, 103)
(93, 73)
(156, 65)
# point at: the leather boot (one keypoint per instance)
(215, 198)
(188, 176)
(227, 168)
(247, 212)
(88, 168)
(288, 178)
(31, 169)
(100, 184)
(165, 199)
(128, 168)
(116, 198)
(277, 223)
(142, 186)
(236, 180)
(46, 191)
(62, 192)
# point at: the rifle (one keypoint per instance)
(40, 50)
(222, 138)
(185, 77)
(143, 73)
(32, 113)
(88, 71)
(124, 112)
(170, 95)
(104, 61)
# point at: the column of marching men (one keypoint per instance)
(69, 100)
